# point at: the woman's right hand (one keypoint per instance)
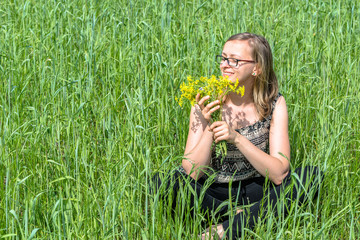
(207, 110)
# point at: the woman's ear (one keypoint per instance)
(256, 70)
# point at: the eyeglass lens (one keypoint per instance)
(230, 61)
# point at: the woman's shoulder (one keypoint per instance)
(278, 100)
(279, 110)
(277, 105)
(278, 96)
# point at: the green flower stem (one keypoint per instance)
(220, 148)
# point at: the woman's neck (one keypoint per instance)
(238, 100)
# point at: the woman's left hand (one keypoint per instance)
(222, 131)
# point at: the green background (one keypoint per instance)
(88, 111)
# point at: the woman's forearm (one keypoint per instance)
(198, 157)
(276, 168)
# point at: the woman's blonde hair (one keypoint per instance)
(266, 85)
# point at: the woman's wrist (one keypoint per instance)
(237, 140)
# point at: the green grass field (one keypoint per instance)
(88, 111)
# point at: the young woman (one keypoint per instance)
(255, 128)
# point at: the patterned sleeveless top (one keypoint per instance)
(235, 166)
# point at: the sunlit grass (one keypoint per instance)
(88, 111)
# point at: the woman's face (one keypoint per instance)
(238, 49)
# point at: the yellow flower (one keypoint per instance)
(216, 88)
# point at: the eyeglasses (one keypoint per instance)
(232, 62)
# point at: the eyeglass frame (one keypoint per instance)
(228, 62)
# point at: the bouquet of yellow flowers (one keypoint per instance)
(214, 87)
